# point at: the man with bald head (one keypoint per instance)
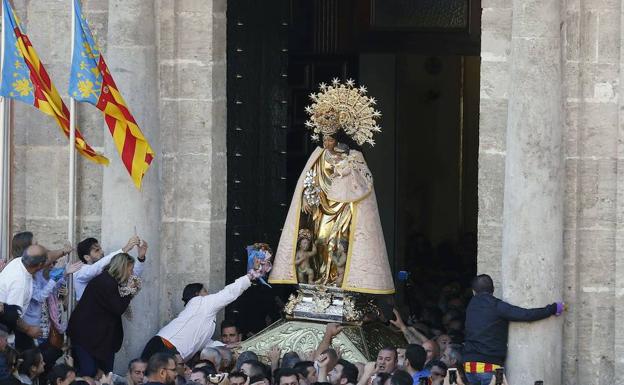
(433, 351)
(16, 282)
(16, 279)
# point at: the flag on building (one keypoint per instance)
(90, 81)
(24, 78)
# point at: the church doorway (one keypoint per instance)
(420, 60)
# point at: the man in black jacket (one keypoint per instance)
(487, 323)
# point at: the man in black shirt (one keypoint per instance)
(487, 324)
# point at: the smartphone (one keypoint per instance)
(499, 376)
(452, 372)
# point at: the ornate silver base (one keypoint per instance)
(327, 303)
(310, 310)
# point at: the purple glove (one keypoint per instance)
(560, 308)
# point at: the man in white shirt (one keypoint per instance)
(16, 282)
(193, 328)
(91, 254)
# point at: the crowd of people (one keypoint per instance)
(451, 340)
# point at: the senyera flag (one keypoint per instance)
(24, 78)
(91, 81)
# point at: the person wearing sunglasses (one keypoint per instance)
(161, 369)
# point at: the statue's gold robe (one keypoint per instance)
(348, 211)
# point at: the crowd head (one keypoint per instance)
(161, 368)
(136, 371)
(89, 251)
(387, 359)
(230, 333)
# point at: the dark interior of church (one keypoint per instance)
(420, 60)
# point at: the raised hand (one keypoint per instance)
(63, 291)
(338, 352)
(493, 381)
(323, 360)
(561, 307)
(142, 249)
(333, 329)
(306, 208)
(274, 354)
(132, 242)
(69, 360)
(73, 267)
(107, 379)
(67, 248)
(254, 274)
(398, 322)
(370, 368)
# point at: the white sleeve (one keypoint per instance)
(88, 272)
(215, 302)
(138, 267)
(16, 294)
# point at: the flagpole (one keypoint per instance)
(71, 215)
(5, 164)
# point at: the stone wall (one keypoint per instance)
(590, 62)
(496, 23)
(192, 75)
(168, 59)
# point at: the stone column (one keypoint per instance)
(132, 59)
(532, 260)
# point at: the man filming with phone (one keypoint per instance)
(487, 324)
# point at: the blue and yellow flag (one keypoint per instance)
(24, 78)
(90, 81)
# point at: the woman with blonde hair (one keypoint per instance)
(95, 326)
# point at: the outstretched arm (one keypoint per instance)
(331, 330)
(216, 302)
(412, 335)
(519, 314)
(54, 255)
(88, 272)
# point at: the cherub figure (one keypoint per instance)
(306, 249)
(339, 257)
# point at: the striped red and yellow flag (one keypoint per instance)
(91, 81)
(480, 367)
(24, 78)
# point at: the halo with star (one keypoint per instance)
(344, 107)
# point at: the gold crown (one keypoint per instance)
(343, 107)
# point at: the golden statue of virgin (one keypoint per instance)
(332, 235)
